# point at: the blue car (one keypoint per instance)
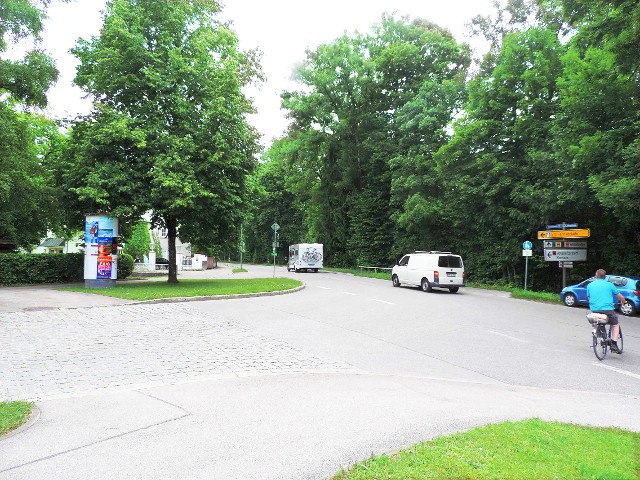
(629, 287)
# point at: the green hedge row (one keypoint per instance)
(29, 268)
(17, 269)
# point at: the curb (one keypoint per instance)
(33, 418)
(217, 297)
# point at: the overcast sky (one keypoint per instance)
(282, 29)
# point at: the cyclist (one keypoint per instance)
(600, 294)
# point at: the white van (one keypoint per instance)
(305, 256)
(429, 270)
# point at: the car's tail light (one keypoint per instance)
(436, 277)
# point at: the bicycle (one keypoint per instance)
(602, 336)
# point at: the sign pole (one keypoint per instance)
(526, 252)
(275, 227)
(241, 246)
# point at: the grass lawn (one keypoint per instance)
(191, 288)
(530, 449)
(363, 273)
(545, 297)
(12, 415)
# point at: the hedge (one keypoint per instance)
(125, 266)
(21, 269)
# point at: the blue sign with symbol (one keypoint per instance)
(527, 245)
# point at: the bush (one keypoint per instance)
(18, 268)
(125, 266)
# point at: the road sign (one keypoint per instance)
(565, 264)
(563, 255)
(562, 225)
(572, 233)
(527, 253)
(564, 244)
(527, 245)
(275, 227)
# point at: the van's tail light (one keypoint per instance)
(436, 277)
(463, 276)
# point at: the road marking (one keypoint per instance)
(324, 288)
(618, 370)
(349, 293)
(382, 301)
(508, 336)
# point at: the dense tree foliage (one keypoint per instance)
(393, 147)
(345, 147)
(168, 132)
(28, 199)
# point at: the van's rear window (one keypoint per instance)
(450, 261)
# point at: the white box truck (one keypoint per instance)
(305, 256)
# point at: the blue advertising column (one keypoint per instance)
(100, 255)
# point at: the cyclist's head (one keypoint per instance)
(600, 273)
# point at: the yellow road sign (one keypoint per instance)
(572, 233)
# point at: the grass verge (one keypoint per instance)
(530, 449)
(191, 288)
(362, 273)
(239, 270)
(12, 415)
(546, 297)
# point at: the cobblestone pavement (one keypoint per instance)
(66, 352)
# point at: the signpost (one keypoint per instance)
(560, 246)
(526, 253)
(241, 246)
(275, 227)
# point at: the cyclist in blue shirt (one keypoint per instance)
(600, 294)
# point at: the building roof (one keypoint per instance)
(53, 242)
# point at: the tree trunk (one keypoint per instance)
(172, 229)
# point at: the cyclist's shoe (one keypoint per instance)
(614, 347)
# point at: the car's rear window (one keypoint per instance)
(450, 261)
(618, 281)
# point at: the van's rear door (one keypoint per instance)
(450, 270)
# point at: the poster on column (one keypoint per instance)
(99, 261)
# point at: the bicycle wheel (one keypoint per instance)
(600, 343)
(620, 341)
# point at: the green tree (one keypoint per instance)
(139, 242)
(272, 200)
(28, 201)
(168, 133)
(597, 130)
(347, 129)
(499, 177)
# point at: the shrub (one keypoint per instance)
(18, 268)
(125, 266)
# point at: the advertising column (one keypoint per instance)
(100, 257)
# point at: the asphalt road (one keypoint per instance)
(295, 386)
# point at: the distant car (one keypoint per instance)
(162, 261)
(629, 287)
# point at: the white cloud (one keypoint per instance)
(282, 29)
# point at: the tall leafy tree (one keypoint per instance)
(346, 128)
(27, 139)
(598, 126)
(168, 132)
(500, 178)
